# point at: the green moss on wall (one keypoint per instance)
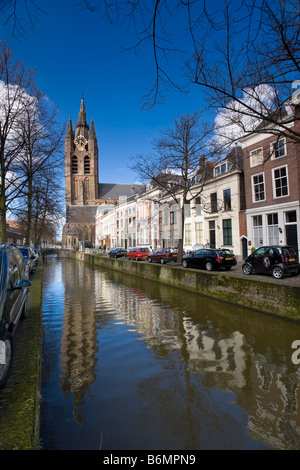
(268, 297)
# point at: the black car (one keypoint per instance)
(118, 253)
(275, 260)
(210, 259)
(13, 302)
(29, 259)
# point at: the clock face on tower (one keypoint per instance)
(80, 142)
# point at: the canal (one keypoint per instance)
(129, 364)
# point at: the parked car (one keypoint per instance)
(13, 302)
(275, 260)
(36, 255)
(162, 256)
(138, 253)
(210, 259)
(29, 259)
(118, 253)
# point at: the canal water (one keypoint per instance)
(129, 364)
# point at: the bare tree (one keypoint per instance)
(244, 56)
(182, 153)
(41, 152)
(46, 208)
(15, 83)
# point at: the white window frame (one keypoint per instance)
(251, 155)
(272, 230)
(257, 232)
(273, 149)
(252, 187)
(273, 181)
(218, 169)
(188, 234)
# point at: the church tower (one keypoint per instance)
(81, 162)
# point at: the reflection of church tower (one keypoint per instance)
(81, 162)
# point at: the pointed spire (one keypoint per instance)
(82, 114)
(70, 131)
(92, 134)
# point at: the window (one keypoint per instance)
(290, 217)
(86, 165)
(74, 164)
(13, 270)
(256, 157)
(187, 209)
(198, 205)
(258, 186)
(188, 237)
(199, 233)
(227, 232)
(221, 169)
(227, 199)
(272, 229)
(257, 230)
(278, 149)
(213, 202)
(280, 182)
(146, 209)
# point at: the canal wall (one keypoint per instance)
(267, 295)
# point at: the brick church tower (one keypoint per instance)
(81, 162)
(84, 193)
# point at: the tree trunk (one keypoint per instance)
(29, 212)
(3, 201)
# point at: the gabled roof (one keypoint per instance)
(115, 191)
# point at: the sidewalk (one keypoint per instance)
(287, 280)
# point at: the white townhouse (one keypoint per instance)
(214, 218)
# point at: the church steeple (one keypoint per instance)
(82, 127)
(70, 131)
(92, 134)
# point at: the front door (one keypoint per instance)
(212, 234)
(292, 236)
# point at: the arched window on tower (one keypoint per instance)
(86, 165)
(74, 164)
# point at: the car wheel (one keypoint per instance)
(247, 269)
(149, 260)
(5, 368)
(277, 272)
(185, 263)
(162, 261)
(208, 266)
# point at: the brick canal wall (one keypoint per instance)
(268, 295)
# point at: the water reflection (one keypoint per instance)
(151, 367)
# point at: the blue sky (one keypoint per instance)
(77, 54)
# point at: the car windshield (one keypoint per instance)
(24, 252)
(225, 253)
(143, 249)
(289, 252)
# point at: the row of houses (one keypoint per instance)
(249, 199)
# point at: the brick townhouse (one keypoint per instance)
(271, 172)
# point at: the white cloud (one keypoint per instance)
(238, 119)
